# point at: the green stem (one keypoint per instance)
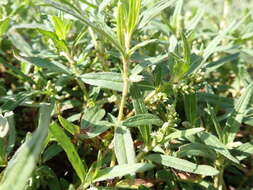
(218, 180)
(125, 88)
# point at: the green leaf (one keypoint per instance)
(12, 131)
(98, 26)
(142, 119)
(59, 44)
(214, 143)
(237, 115)
(140, 45)
(190, 105)
(62, 27)
(140, 108)
(182, 165)
(215, 122)
(26, 157)
(148, 14)
(73, 129)
(4, 126)
(213, 45)
(196, 149)
(108, 80)
(213, 66)
(4, 25)
(124, 146)
(243, 151)
(64, 141)
(146, 62)
(121, 24)
(93, 130)
(14, 101)
(134, 7)
(122, 170)
(46, 64)
(183, 133)
(192, 24)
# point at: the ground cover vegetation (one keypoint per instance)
(126, 94)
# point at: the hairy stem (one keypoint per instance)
(125, 88)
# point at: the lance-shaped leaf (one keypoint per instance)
(214, 143)
(236, 117)
(64, 141)
(26, 157)
(183, 165)
(142, 119)
(152, 12)
(183, 133)
(46, 64)
(108, 80)
(122, 170)
(140, 108)
(123, 146)
(196, 149)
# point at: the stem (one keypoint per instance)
(218, 180)
(125, 88)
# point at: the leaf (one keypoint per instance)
(182, 165)
(190, 105)
(73, 129)
(146, 62)
(12, 131)
(196, 149)
(134, 7)
(121, 24)
(213, 45)
(237, 115)
(214, 143)
(140, 108)
(26, 157)
(140, 45)
(183, 133)
(122, 170)
(243, 151)
(4, 126)
(216, 100)
(93, 130)
(46, 64)
(215, 122)
(62, 27)
(59, 44)
(98, 26)
(64, 141)
(4, 25)
(192, 24)
(213, 66)
(16, 100)
(142, 119)
(123, 146)
(108, 80)
(148, 14)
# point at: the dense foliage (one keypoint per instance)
(126, 94)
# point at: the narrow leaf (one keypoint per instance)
(214, 143)
(122, 170)
(64, 141)
(142, 119)
(108, 80)
(26, 157)
(123, 146)
(182, 165)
